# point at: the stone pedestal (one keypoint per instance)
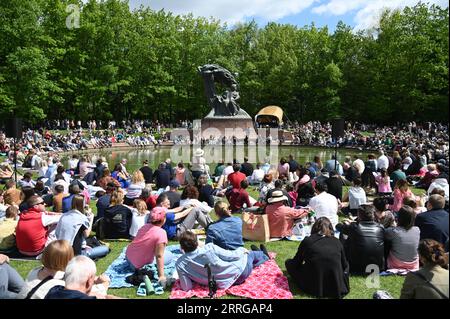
(239, 125)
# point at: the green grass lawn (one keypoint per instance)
(283, 249)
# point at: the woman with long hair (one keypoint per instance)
(320, 268)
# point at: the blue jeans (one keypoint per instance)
(96, 252)
(254, 259)
(10, 282)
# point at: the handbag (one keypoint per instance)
(255, 227)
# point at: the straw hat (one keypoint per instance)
(277, 196)
(199, 152)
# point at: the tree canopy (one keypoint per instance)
(123, 64)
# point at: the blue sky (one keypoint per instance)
(359, 14)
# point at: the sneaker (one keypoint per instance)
(264, 250)
(254, 248)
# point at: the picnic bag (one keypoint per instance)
(255, 227)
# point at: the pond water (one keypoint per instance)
(157, 155)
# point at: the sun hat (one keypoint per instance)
(277, 196)
(158, 214)
(199, 152)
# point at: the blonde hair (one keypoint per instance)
(78, 203)
(117, 197)
(221, 209)
(137, 177)
(402, 185)
(140, 206)
(57, 255)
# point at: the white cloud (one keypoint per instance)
(230, 11)
(368, 12)
(338, 7)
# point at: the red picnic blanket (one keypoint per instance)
(265, 282)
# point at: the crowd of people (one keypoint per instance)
(382, 223)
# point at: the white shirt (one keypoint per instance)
(383, 162)
(196, 203)
(257, 175)
(73, 163)
(137, 221)
(356, 197)
(325, 205)
(439, 183)
(227, 170)
(33, 280)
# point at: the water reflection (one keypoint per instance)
(135, 157)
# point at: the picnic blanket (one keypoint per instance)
(265, 282)
(120, 268)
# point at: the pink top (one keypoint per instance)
(283, 169)
(281, 219)
(179, 175)
(141, 251)
(293, 195)
(398, 199)
(384, 184)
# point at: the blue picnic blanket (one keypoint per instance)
(120, 268)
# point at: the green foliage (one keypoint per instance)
(143, 64)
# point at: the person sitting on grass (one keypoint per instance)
(117, 218)
(80, 278)
(227, 231)
(355, 197)
(8, 229)
(230, 267)
(189, 197)
(281, 216)
(149, 244)
(431, 281)
(57, 200)
(33, 231)
(75, 226)
(433, 223)
(320, 267)
(54, 260)
(135, 188)
(264, 188)
(181, 218)
(383, 215)
(235, 178)
(401, 191)
(238, 197)
(11, 195)
(140, 216)
(403, 241)
(74, 189)
(205, 190)
(363, 240)
(325, 204)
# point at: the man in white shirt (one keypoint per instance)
(382, 161)
(324, 204)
